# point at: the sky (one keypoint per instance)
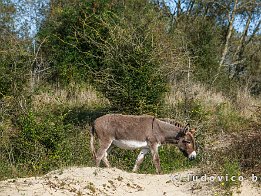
(239, 22)
(28, 13)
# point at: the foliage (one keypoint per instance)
(13, 56)
(41, 144)
(231, 169)
(131, 79)
(228, 119)
(246, 150)
(203, 39)
(193, 110)
(115, 52)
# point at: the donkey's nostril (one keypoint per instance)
(192, 158)
(192, 155)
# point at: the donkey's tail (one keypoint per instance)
(92, 142)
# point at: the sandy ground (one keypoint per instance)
(103, 181)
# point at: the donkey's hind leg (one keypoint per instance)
(105, 160)
(102, 152)
(140, 159)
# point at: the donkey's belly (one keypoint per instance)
(130, 144)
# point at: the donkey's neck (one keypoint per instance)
(169, 132)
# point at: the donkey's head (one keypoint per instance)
(186, 142)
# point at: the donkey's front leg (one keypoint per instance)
(155, 157)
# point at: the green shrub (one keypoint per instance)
(43, 142)
(231, 169)
(38, 145)
(5, 169)
(246, 150)
(193, 110)
(228, 119)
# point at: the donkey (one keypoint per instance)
(144, 132)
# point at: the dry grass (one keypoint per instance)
(84, 96)
(242, 149)
(245, 104)
(247, 148)
(197, 91)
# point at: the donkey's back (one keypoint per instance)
(123, 127)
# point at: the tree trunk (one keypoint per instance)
(229, 33)
(239, 67)
(254, 33)
(242, 43)
(178, 8)
(228, 36)
(190, 7)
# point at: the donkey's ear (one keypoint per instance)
(193, 131)
(183, 132)
(186, 129)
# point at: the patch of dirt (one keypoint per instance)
(104, 181)
(248, 189)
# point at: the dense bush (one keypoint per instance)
(131, 78)
(41, 144)
(111, 48)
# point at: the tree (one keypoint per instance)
(250, 12)
(15, 63)
(10, 64)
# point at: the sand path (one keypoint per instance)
(92, 181)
